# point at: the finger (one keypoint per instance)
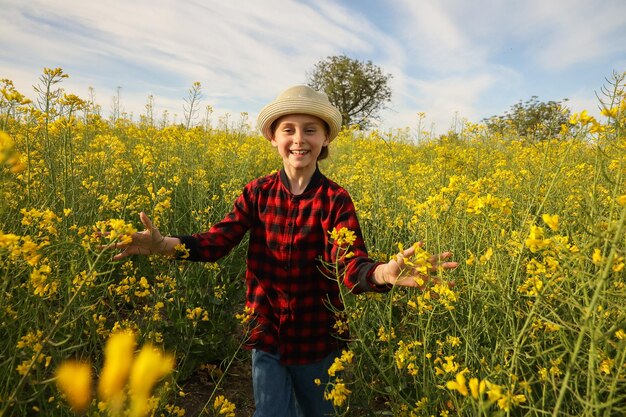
(440, 257)
(116, 245)
(448, 265)
(120, 256)
(408, 252)
(130, 250)
(147, 223)
(409, 281)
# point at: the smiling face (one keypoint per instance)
(299, 139)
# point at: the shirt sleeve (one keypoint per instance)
(225, 235)
(358, 269)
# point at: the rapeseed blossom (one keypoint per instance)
(116, 230)
(343, 237)
(224, 407)
(122, 373)
(459, 383)
(472, 191)
(338, 393)
(477, 387)
(8, 155)
(197, 314)
(536, 240)
(74, 380)
(246, 317)
(339, 363)
(118, 358)
(447, 367)
(551, 220)
(148, 368)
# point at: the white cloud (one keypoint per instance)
(435, 40)
(561, 34)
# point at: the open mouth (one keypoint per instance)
(299, 152)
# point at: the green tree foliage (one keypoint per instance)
(358, 89)
(531, 119)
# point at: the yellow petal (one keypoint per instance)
(118, 358)
(74, 380)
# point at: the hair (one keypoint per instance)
(323, 153)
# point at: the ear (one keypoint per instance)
(273, 140)
(326, 141)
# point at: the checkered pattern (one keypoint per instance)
(286, 285)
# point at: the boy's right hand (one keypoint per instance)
(147, 242)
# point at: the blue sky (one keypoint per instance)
(452, 59)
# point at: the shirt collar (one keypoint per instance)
(313, 183)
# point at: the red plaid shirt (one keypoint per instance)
(286, 285)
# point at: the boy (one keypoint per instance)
(289, 215)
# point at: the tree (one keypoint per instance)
(532, 119)
(358, 89)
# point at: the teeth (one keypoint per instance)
(299, 152)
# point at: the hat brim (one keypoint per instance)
(297, 105)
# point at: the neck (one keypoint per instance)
(299, 179)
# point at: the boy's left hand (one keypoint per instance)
(399, 272)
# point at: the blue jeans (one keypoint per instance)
(290, 390)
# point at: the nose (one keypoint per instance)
(298, 137)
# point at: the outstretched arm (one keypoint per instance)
(147, 242)
(400, 271)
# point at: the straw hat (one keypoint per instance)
(300, 99)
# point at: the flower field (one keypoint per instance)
(533, 321)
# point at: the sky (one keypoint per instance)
(453, 60)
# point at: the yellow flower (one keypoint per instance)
(494, 392)
(118, 358)
(197, 314)
(449, 366)
(6, 146)
(610, 113)
(148, 368)
(74, 380)
(347, 356)
(506, 401)
(596, 258)
(535, 241)
(621, 200)
(486, 256)
(116, 230)
(606, 365)
(338, 394)
(459, 384)
(454, 341)
(385, 336)
(337, 366)
(551, 220)
(224, 407)
(342, 237)
(181, 251)
(245, 317)
(477, 388)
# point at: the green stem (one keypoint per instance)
(46, 340)
(586, 327)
